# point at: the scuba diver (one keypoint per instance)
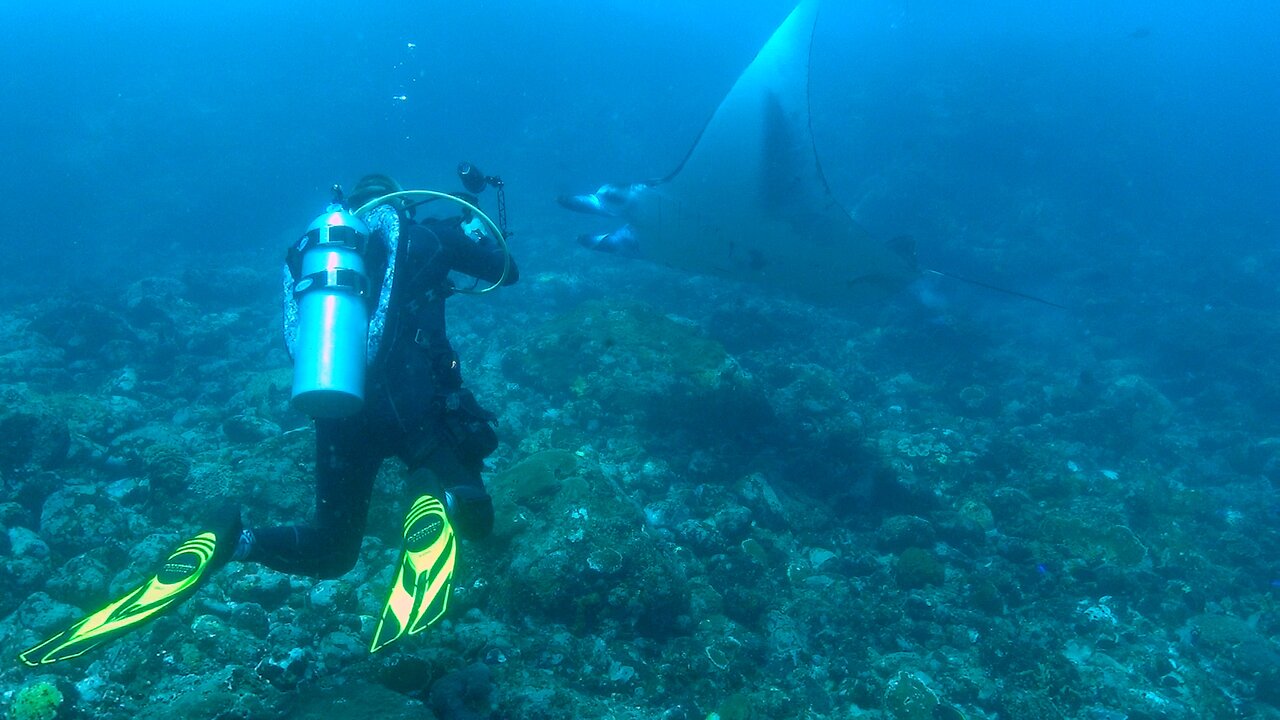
(365, 290)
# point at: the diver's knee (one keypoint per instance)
(338, 558)
(334, 565)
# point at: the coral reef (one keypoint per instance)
(707, 505)
(37, 701)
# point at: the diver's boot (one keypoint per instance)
(471, 510)
(424, 575)
(182, 572)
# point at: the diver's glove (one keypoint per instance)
(182, 572)
(420, 592)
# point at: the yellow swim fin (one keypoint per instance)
(179, 576)
(420, 593)
(177, 579)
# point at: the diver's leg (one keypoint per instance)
(457, 480)
(347, 463)
(420, 590)
(456, 460)
(182, 572)
(445, 458)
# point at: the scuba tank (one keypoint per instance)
(329, 354)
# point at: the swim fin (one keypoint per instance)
(424, 576)
(179, 576)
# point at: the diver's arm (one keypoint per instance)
(474, 259)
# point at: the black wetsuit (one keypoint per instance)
(415, 409)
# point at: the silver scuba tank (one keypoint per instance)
(329, 354)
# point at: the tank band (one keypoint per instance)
(335, 235)
(335, 279)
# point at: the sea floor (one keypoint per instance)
(711, 503)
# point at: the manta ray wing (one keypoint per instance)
(750, 202)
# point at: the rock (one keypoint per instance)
(900, 532)
(260, 585)
(1094, 541)
(31, 437)
(232, 692)
(24, 542)
(358, 700)
(1234, 644)
(907, 698)
(463, 694)
(82, 329)
(41, 615)
(584, 558)
(757, 493)
(78, 517)
(136, 448)
(918, 568)
(249, 429)
(630, 360)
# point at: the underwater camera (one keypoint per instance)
(472, 178)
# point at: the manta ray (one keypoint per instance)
(749, 202)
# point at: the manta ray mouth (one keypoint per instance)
(589, 204)
(609, 200)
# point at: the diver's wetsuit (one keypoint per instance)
(415, 409)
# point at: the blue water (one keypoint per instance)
(156, 125)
